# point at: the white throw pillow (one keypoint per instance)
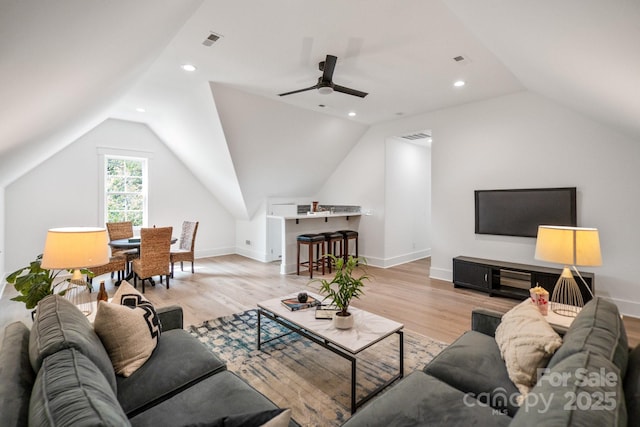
(129, 329)
(281, 420)
(526, 342)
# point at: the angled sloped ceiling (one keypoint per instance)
(279, 150)
(63, 63)
(581, 53)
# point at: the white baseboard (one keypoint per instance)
(214, 252)
(627, 308)
(397, 260)
(372, 261)
(403, 259)
(256, 255)
(441, 274)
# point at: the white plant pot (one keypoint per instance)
(343, 322)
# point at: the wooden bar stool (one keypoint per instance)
(349, 235)
(335, 246)
(312, 240)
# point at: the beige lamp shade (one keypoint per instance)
(75, 248)
(568, 245)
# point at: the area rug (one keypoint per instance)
(296, 373)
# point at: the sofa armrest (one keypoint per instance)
(170, 317)
(485, 321)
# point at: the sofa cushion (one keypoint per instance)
(584, 389)
(473, 365)
(268, 418)
(632, 387)
(178, 361)
(58, 325)
(420, 399)
(223, 395)
(70, 390)
(526, 342)
(16, 376)
(597, 328)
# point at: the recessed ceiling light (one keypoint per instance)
(352, 113)
(141, 110)
(189, 67)
(459, 83)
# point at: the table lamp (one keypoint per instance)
(74, 248)
(570, 246)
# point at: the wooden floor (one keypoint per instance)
(229, 284)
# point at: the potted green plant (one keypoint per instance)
(343, 288)
(34, 283)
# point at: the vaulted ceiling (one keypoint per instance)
(68, 65)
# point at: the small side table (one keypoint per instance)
(555, 319)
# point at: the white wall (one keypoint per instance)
(64, 191)
(407, 201)
(2, 251)
(391, 181)
(253, 231)
(360, 180)
(516, 141)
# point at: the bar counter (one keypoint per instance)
(293, 225)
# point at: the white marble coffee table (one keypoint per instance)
(368, 329)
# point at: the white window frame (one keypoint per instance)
(145, 157)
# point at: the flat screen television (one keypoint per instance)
(520, 212)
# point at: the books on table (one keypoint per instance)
(293, 304)
(326, 311)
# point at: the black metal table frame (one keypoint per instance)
(293, 328)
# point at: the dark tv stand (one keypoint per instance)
(508, 279)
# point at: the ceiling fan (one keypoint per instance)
(325, 83)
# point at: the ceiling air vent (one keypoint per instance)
(462, 59)
(211, 39)
(414, 136)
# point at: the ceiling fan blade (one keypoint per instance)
(299, 90)
(349, 91)
(329, 66)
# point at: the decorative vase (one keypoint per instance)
(102, 293)
(343, 322)
(303, 297)
(314, 207)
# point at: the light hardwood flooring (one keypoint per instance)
(229, 284)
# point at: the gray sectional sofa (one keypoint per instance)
(58, 373)
(591, 380)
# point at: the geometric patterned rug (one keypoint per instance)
(296, 373)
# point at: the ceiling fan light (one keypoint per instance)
(325, 90)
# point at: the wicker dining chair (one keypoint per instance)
(187, 245)
(122, 230)
(155, 244)
(116, 264)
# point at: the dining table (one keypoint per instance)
(131, 243)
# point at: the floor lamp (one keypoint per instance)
(74, 248)
(570, 246)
